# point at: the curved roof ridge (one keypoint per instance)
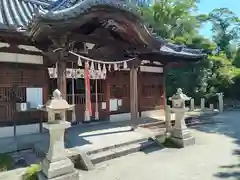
(16, 14)
(45, 3)
(73, 9)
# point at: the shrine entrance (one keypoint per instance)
(109, 37)
(76, 92)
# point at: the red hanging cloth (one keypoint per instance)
(87, 87)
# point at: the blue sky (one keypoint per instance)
(206, 6)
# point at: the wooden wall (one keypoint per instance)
(150, 90)
(14, 80)
(116, 86)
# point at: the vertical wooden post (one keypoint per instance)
(133, 97)
(61, 78)
(73, 93)
(96, 98)
(139, 93)
(164, 88)
(107, 96)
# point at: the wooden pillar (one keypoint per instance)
(108, 97)
(139, 93)
(61, 78)
(133, 97)
(164, 87)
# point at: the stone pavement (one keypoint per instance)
(215, 156)
(73, 134)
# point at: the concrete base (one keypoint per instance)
(71, 176)
(183, 137)
(58, 170)
(184, 142)
(181, 133)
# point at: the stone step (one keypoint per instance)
(154, 124)
(120, 150)
(117, 146)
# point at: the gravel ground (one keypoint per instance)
(214, 157)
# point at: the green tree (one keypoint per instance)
(236, 61)
(172, 18)
(225, 27)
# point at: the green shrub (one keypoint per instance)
(32, 171)
(6, 162)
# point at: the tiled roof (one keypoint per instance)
(185, 52)
(16, 14)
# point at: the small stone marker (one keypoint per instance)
(211, 106)
(202, 103)
(220, 101)
(192, 104)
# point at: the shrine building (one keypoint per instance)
(98, 53)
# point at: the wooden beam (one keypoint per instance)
(15, 37)
(18, 50)
(95, 39)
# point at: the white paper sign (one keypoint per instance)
(104, 105)
(35, 97)
(119, 102)
(113, 104)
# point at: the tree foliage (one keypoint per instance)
(175, 20)
(225, 28)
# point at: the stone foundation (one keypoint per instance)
(58, 170)
(182, 137)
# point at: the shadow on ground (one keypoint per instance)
(230, 127)
(77, 135)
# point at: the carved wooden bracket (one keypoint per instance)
(61, 43)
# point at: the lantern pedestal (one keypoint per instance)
(56, 165)
(180, 134)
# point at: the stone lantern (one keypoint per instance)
(180, 133)
(56, 164)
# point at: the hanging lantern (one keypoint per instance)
(79, 61)
(125, 66)
(92, 66)
(115, 67)
(109, 67)
(104, 69)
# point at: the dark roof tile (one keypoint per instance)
(15, 14)
(18, 13)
